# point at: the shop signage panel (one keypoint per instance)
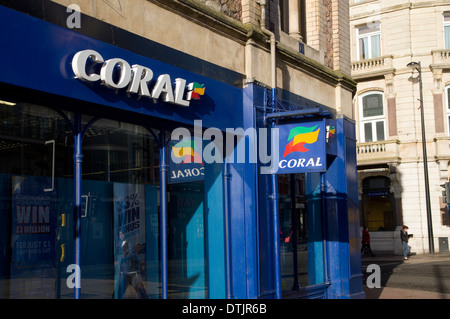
(117, 74)
(302, 147)
(68, 64)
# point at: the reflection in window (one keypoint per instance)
(300, 237)
(120, 206)
(35, 154)
(186, 241)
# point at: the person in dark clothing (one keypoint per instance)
(365, 241)
(404, 236)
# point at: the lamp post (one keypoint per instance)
(417, 66)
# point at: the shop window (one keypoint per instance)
(300, 254)
(35, 156)
(120, 180)
(447, 30)
(372, 117)
(186, 238)
(378, 204)
(368, 41)
(120, 204)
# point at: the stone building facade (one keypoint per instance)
(386, 36)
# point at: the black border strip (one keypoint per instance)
(57, 14)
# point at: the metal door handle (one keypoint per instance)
(63, 250)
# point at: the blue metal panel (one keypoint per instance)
(237, 232)
(39, 57)
(356, 287)
(242, 214)
(250, 186)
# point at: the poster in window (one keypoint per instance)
(129, 241)
(33, 260)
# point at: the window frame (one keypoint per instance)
(369, 36)
(371, 119)
(445, 24)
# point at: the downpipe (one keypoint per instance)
(274, 196)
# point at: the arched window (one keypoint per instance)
(372, 117)
(378, 204)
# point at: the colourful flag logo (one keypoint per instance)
(331, 131)
(298, 137)
(195, 91)
(188, 150)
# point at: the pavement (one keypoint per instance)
(400, 293)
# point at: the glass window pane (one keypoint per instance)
(33, 140)
(448, 98)
(375, 27)
(363, 48)
(380, 130)
(299, 223)
(447, 17)
(448, 124)
(119, 197)
(368, 132)
(186, 238)
(372, 105)
(375, 49)
(447, 37)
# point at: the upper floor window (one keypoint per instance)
(368, 38)
(293, 19)
(447, 30)
(372, 117)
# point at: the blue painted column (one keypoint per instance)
(163, 212)
(77, 162)
(341, 216)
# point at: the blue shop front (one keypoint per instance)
(131, 170)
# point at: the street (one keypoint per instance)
(425, 273)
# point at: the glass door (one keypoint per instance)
(35, 151)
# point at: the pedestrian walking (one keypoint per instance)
(365, 242)
(404, 236)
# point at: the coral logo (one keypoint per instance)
(195, 91)
(188, 151)
(298, 137)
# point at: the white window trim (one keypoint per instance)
(371, 119)
(367, 35)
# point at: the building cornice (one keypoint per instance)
(207, 17)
